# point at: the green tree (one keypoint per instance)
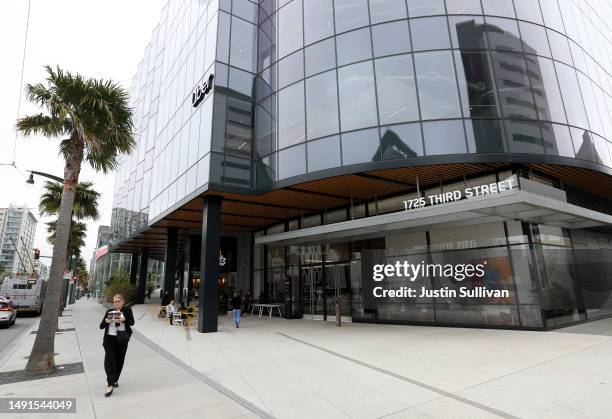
(94, 122)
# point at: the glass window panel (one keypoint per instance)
(560, 47)
(322, 105)
(552, 14)
(290, 69)
(485, 136)
(351, 14)
(503, 34)
(354, 46)
(397, 98)
(534, 39)
(601, 146)
(292, 161)
(360, 147)
(571, 95)
(425, 7)
(444, 137)
(525, 137)
(246, 10)
(223, 39)
(590, 104)
(391, 38)
(584, 145)
(320, 57)
(243, 53)
(528, 10)
(578, 56)
(357, 97)
(318, 20)
(513, 85)
(546, 89)
(291, 115)
(437, 85)
(468, 32)
(290, 35)
(324, 153)
(401, 141)
(498, 8)
(384, 10)
(476, 85)
(463, 7)
(557, 140)
(429, 33)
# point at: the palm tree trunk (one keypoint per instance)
(41, 358)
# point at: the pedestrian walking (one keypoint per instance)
(236, 303)
(117, 324)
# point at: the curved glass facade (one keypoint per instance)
(344, 82)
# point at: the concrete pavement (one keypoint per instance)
(150, 385)
(305, 369)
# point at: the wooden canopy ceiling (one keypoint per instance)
(254, 212)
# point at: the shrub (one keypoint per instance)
(119, 283)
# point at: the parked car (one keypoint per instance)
(8, 313)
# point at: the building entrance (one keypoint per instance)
(322, 288)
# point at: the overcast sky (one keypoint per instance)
(102, 39)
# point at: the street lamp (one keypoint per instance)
(30, 180)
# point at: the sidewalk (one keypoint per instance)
(305, 369)
(150, 386)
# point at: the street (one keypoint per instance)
(11, 335)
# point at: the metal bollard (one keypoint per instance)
(338, 319)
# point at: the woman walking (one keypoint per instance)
(117, 322)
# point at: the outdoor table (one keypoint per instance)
(270, 308)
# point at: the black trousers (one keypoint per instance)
(114, 355)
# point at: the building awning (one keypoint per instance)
(532, 202)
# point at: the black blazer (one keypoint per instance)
(129, 320)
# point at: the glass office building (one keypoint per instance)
(284, 146)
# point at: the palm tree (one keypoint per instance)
(95, 121)
(76, 240)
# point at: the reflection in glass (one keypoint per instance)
(243, 53)
(560, 47)
(291, 115)
(444, 137)
(557, 140)
(586, 87)
(323, 154)
(524, 137)
(528, 10)
(384, 10)
(360, 147)
(534, 39)
(546, 89)
(292, 161)
(425, 7)
(401, 141)
(318, 20)
(463, 7)
(498, 8)
(320, 57)
(437, 85)
(485, 136)
(429, 33)
(476, 87)
(513, 85)
(397, 98)
(322, 105)
(357, 98)
(351, 14)
(290, 69)
(354, 46)
(290, 37)
(571, 95)
(504, 34)
(467, 32)
(391, 38)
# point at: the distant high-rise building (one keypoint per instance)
(17, 230)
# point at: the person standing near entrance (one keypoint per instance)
(236, 303)
(117, 324)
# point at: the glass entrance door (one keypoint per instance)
(312, 292)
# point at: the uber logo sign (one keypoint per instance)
(201, 90)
